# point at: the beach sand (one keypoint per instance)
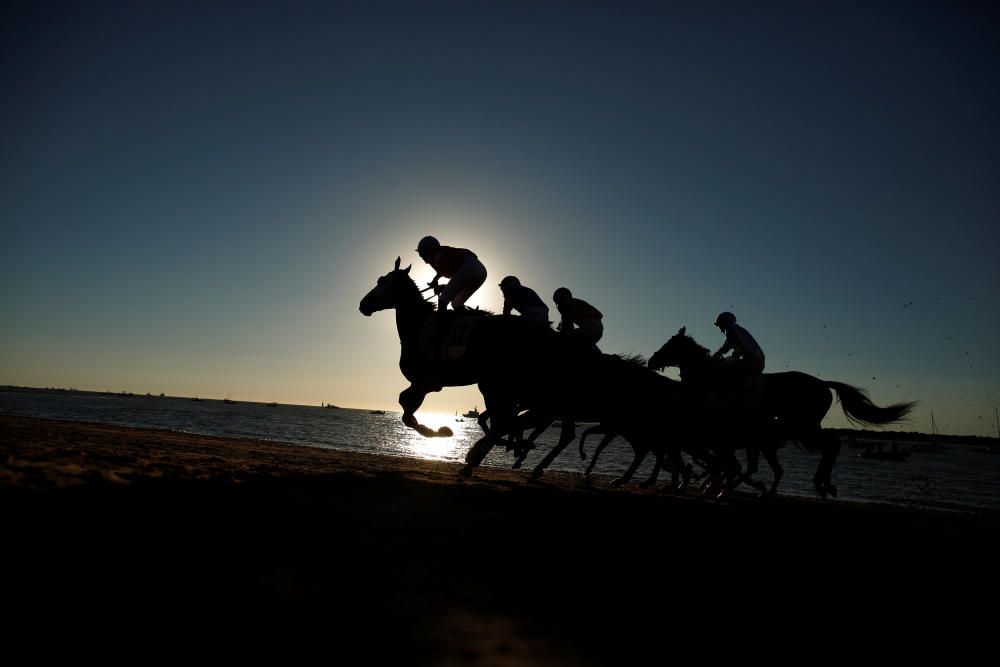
(177, 541)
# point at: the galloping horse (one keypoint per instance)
(792, 406)
(628, 400)
(501, 354)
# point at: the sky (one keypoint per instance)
(194, 197)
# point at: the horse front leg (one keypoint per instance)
(566, 436)
(410, 399)
(500, 407)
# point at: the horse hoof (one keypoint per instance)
(832, 489)
(465, 471)
(517, 464)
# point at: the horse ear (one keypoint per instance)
(407, 269)
(396, 268)
(682, 330)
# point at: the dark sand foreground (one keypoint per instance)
(180, 543)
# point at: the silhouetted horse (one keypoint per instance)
(792, 407)
(507, 357)
(680, 472)
(626, 398)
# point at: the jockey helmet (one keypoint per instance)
(561, 294)
(725, 319)
(427, 244)
(510, 282)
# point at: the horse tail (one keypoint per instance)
(859, 408)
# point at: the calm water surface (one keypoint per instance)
(950, 477)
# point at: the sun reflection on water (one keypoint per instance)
(442, 448)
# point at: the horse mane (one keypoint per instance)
(702, 351)
(477, 311)
(631, 358)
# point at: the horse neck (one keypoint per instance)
(696, 369)
(411, 317)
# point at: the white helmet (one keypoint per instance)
(427, 244)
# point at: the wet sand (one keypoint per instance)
(178, 541)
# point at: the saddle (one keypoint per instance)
(447, 334)
(745, 393)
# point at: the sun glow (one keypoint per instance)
(442, 448)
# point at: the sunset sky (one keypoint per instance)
(194, 196)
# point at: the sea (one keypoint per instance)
(950, 477)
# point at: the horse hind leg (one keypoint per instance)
(829, 446)
(679, 474)
(621, 481)
(567, 435)
(771, 454)
(523, 446)
(605, 441)
(657, 464)
(476, 455)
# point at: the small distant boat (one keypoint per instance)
(227, 399)
(272, 404)
(473, 413)
(329, 405)
(376, 412)
(196, 399)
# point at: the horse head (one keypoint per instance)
(391, 290)
(680, 350)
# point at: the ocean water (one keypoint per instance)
(946, 477)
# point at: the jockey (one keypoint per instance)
(465, 272)
(524, 300)
(586, 318)
(747, 358)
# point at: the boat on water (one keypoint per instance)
(473, 413)
(376, 412)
